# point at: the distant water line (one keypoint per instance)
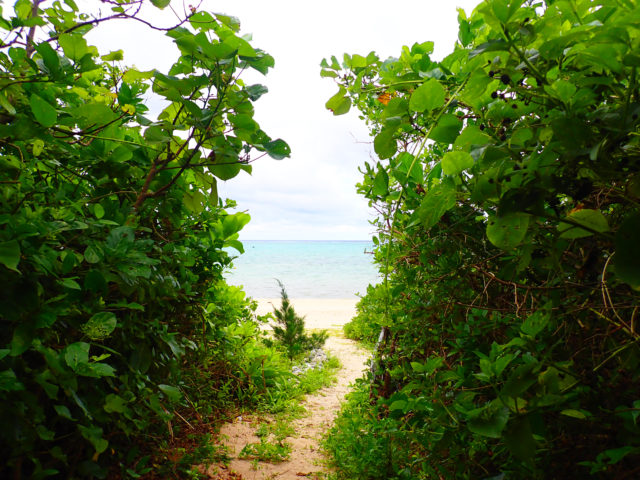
(308, 269)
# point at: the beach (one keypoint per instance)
(319, 313)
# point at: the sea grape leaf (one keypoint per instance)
(447, 129)
(385, 144)
(160, 3)
(592, 219)
(627, 260)
(438, 199)
(428, 96)
(45, 114)
(381, 183)
(455, 162)
(508, 231)
(339, 104)
(74, 46)
(277, 149)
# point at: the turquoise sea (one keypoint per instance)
(308, 269)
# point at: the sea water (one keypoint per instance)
(307, 269)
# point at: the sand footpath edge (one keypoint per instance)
(319, 313)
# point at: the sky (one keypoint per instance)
(312, 194)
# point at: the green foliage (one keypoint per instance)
(508, 194)
(112, 235)
(289, 330)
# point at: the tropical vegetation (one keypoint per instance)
(507, 185)
(113, 238)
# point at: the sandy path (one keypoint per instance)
(306, 460)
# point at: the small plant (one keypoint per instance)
(289, 330)
(266, 451)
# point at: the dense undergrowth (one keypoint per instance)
(508, 229)
(118, 333)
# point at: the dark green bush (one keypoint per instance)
(507, 183)
(112, 235)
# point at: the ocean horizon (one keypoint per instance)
(306, 268)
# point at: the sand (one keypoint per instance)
(306, 459)
(327, 314)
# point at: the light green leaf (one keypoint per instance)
(114, 403)
(385, 144)
(398, 405)
(592, 219)
(428, 96)
(339, 104)
(570, 412)
(69, 283)
(10, 254)
(114, 56)
(508, 231)
(161, 3)
(381, 183)
(45, 114)
(455, 162)
(74, 46)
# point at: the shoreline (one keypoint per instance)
(319, 313)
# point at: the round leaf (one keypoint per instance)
(428, 96)
(385, 144)
(455, 162)
(507, 232)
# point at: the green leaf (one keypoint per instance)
(74, 46)
(160, 3)
(9, 382)
(428, 96)
(172, 393)
(490, 422)
(339, 104)
(115, 403)
(10, 254)
(508, 231)
(94, 435)
(455, 162)
(592, 219)
(437, 200)
(277, 149)
(114, 56)
(91, 255)
(519, 439)
(535, 323)
(69, 283)
(447, 129)
(100, 325)
(570, 412)
(627, 259)
(45, 114)
(385, 144)
(77, 354)
(398, 405)
(381, 183)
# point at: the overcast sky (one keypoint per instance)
(312, 194)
